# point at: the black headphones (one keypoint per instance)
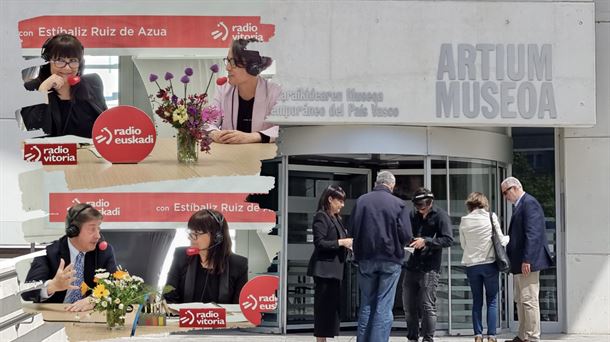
(72, 230)
(218, 237)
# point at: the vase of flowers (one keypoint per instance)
(115, 294)
(190, 114)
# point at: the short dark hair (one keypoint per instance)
(211, 222)
(244, 57)
(332, 191)
(77, 217)
(422, 194)
(61, 45)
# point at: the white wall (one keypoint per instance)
(587, 203)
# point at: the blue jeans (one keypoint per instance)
(479, 276)
(377, 281)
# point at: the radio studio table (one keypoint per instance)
(91, 326)
(93, 171)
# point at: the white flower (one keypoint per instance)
(97, 300)
(100, 270)
(121, 306)
(138, 279)
(109, 299)
(117, 301)
(104, 304)
(104, 275)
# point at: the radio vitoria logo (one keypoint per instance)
(33, 155)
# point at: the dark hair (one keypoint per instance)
(62, 45)
(422, 196)
(477, 200)
(66, 46)
(77, 217)
(332, 191)
(249, 59)
(213, 222)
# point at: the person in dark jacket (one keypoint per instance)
(381, 229)
(71, 260)
(207, 271)
(327, 263)
(71, 107)
(528, 251)
(432, 232)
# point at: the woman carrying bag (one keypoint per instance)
(480, 260)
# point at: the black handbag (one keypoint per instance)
(502, 260)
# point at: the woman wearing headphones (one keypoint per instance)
(73, 100)
(207, 271)
(246, 100)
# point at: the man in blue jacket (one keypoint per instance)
(528, 252)
(380, 229)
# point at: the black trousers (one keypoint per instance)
(326, 307)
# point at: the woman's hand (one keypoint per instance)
(52, 82)
(235, 137)
(347, 242)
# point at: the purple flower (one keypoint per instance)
(188, 71)
(168, 76)
(152, 77)
(174, 99)
(185, 79)
(211, 113)
(214, 68)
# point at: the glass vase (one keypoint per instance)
(188, 151)
(115, 318)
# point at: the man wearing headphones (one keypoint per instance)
(207, 271)
(71, 260)
(431, 233)
(246, 100)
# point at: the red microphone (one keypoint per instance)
(221, 80)
(102, 244)
(191, 251)
(73, 80)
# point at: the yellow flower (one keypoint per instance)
(180, 115)
(100, 291)
(120, 274)
(83, 288)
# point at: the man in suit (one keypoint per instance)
(381, 228)
(529, 254)
(71, 260)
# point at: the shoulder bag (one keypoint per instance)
(502, 260)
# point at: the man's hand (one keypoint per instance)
(63, 279)
(525, 269)
(347, 242)
(84, 304)
(418, 243)
(235, 137)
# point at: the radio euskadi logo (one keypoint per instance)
(124, 134)
(121, 136)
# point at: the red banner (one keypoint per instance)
(145, 31)
(50, 154)
(160, 207)
(203, 318)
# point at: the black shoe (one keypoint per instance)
(516, 339)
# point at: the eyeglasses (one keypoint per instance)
(194, 235)
(61, 63)
(230, 61)
(507, 189)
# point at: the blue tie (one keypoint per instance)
(79, 266)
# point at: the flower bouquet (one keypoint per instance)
(190, 114)
(115, 293)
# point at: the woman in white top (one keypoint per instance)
(479, 259)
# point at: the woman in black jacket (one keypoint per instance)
(327, 262)
(207, 271)
(73, 100)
